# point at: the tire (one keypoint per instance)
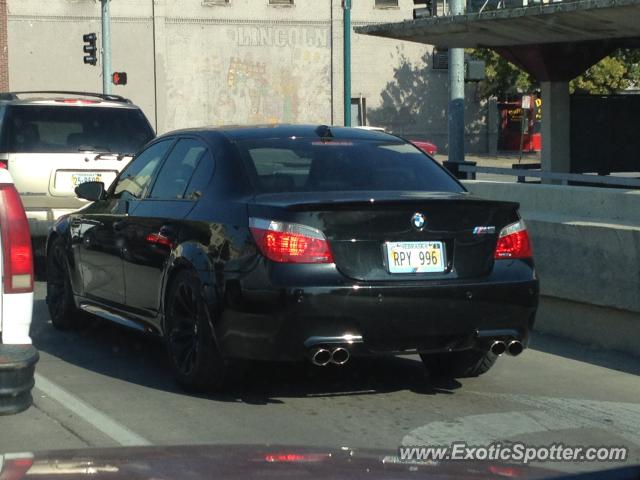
(193, 352)
(62, 309)
(462, 364)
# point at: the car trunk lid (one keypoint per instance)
(363, 227)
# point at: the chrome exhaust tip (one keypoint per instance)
(498, 347)
(515, 348)
(320, 356)
(340, 356)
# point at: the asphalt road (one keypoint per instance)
(106, 386)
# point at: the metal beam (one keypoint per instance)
(553, 62)
(346, 5)
(556, 22)
(106, 48)
(456, 95)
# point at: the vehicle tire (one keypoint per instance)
(462, 364)
(62, 309)
(193, 352)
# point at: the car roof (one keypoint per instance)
(66, 99)
(254, 132)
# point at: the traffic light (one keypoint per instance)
(119, 78)
(90, 49)
(425, 11)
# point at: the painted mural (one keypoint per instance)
(248, 74)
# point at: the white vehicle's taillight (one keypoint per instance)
(15, 466)
(513, 242)
(17, 256)
(290, 242)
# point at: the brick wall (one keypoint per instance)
(4, 48)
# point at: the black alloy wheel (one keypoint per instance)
(193, 352)
(62, 309)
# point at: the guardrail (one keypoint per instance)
(506, 4)
(562, 178)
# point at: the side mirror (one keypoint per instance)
(91, 191)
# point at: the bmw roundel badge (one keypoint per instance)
(418, 221)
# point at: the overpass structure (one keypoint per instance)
(553, 42)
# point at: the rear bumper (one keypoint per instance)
(283, 322)
(15, 322)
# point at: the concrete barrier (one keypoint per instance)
(587, 248)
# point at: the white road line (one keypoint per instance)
(99, 420)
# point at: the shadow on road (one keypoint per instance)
(108, 349)
(585, 353)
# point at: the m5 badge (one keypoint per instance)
(484, 230)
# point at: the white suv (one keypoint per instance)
(53, 141)
(17, 355)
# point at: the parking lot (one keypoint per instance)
(106, 386)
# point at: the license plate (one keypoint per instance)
(67, 181)
(415, 257)
(78, 178)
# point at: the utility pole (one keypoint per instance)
(456, 98)
(106, 48)
(346, 7)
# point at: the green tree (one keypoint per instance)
(503, 79)
(619, 71)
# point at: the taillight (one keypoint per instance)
(290, 242)
(17, 256)
(14, 468)
(78, 101)
(513, 242)
(296, 457)
(159, 239)
(4, 164)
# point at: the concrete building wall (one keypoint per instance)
(221, 69)
(4, 48)
(206, 62)
(45, 47)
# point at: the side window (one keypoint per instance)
(200, 178)
(177, 170)
(136, 177)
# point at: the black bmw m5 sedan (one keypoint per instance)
(285, 242)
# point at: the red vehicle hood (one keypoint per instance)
(427, 147)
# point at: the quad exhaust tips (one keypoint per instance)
(498, 347)
(513, 347)
(340, 356)
(321, 357)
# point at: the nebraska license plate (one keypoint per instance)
(78, 178)
(67, 180)
(415, 257)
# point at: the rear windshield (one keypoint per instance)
(302, 164)
(43, 129)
